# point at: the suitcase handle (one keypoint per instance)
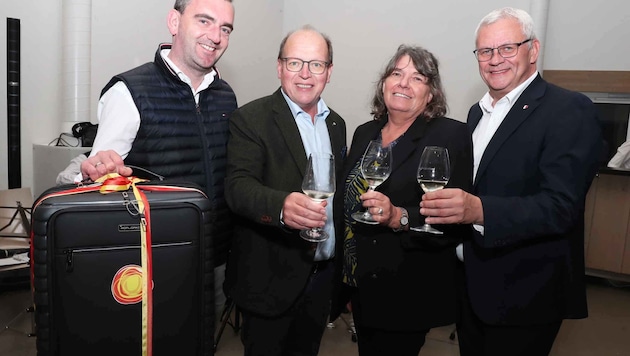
(159, 177)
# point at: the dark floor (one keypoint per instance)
(606, 332)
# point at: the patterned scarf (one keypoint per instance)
(355, 185)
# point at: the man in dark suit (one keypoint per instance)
(536, 148)
(280, 282)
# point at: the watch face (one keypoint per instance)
(404, 221)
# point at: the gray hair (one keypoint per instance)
(180, 5)
(523, 18)
(427, 65)
(308, 28)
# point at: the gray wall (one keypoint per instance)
(125, 33)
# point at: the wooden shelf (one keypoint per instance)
(590, 80)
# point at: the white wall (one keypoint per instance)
(40, 22)
(579, 36)
(365, 37)
(125, 33)
(248, 64)
(588, 35)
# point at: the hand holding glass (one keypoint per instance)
(319, 185)
(376, 166)
(434, 171)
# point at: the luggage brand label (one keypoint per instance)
(129, 228)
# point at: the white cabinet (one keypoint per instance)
(48, 161)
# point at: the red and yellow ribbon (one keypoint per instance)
(114, 182)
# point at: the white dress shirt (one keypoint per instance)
(493, 116)
(621, 159)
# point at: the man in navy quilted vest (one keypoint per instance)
(170, 116)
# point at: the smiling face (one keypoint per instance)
(304, 88)
(502, 75)
(201, 34)
(405, 91)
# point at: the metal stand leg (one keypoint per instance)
(9, 326)
(228, 308)
(453, 334)
(349, 325)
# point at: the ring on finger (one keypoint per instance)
(380, 211)
(97, 163)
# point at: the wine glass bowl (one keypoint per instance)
(319, 185)
(434, 171)
(376, 166)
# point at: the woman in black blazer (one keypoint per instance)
(400, 282)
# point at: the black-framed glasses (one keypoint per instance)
(506, 51)
(296, 64)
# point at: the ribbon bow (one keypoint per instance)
(114, 182)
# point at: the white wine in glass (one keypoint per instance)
(434, 171)
(319, 185)
(431, 185)
(376, 166)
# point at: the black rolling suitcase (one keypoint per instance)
(88, 263)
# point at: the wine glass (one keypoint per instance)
(319, 185)
(434, 171)
(376, 166)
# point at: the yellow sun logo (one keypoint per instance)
(127, 285)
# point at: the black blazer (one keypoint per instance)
(407, 279)
(268, 264)
(528, 268)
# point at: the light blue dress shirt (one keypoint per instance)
(315, 138)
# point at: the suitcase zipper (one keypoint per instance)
(69, 266)
(70, 252)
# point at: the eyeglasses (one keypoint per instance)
(506, 51)
(296, 64)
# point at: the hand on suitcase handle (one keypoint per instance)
(102, 163)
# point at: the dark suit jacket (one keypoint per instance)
(407, 279)
(268, 264)
(528, 268)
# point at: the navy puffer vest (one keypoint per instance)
(181, 140)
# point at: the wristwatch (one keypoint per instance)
(404, 220)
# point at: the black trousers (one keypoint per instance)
(298, 331)
(477, 338)
(385, 340)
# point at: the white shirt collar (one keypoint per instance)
(322, 108)
(486, 101)
(207, 79)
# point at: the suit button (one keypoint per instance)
(374, 276)
(374, 242)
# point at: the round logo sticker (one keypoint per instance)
(127, 285)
